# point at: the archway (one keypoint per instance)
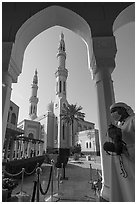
(51, 16)
(45, 19)
(23, 37)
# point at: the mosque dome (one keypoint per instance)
(50, 107)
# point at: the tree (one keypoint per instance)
(76, 149)
(70, 114)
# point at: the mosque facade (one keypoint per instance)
(49, 127)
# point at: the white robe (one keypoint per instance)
(123, 189)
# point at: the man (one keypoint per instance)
(123, 187)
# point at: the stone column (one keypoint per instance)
(7, 147)
(103, 64)
(12, 148)
(6, 94)
(15, 149)
(37, 149)
(28, 149)
(10, 73)
(18, 157)
(34, 154)
(23, 149)
(40, 148)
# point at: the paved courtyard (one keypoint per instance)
(76, 189)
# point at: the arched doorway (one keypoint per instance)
(45, 19)
(22, 40)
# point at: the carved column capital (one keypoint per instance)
(104, 52)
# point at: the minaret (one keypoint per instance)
(61, 101)
(33, 99)
(61, 73)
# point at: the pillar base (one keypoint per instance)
(101, 199)
(105, 193)
(53, 198)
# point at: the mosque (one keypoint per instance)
(49, 127)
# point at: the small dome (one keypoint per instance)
(50, 107)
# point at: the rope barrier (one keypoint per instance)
(13, 175)
(41, 190)
(34, 191)
(32, 170)
(17, 174)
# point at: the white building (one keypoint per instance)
(89, 141)
(49, 127)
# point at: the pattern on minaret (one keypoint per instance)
(33, 99)
(61, 75)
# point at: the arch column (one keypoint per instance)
(103, 64)
(6, 94)
(10, 73)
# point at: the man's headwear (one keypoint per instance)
(124, 105)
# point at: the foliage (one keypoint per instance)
(8, 183)
(70, 114)
(76, 149)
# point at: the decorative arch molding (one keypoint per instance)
(126, 16)
(49, 17)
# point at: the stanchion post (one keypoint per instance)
(22, 180)
(90, 173)
(58, 179)
(38, 182)
(52, 162)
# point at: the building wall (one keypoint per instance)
(31, 128)
(13, 114)
(97, 141)
(88, 140)
(47, 129)
(82, 125)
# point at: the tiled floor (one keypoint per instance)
(76, 189)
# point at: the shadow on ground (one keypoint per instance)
(76, 189)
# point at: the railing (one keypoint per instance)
(37, 186)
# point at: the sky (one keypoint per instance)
(41, 53)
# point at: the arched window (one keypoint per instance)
(31, 109)
(13, 118)
(90, 145)
(87, 145)
(31, 135)
(64, 86)
(60, 86)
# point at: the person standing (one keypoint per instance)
(123, 166)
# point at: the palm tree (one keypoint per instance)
(70, 114)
